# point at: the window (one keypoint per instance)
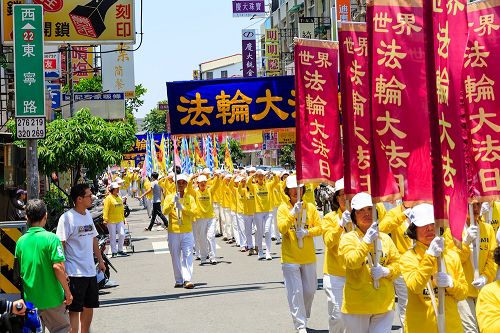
(210, 75)
(223, 74)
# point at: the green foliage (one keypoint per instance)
(135, 103)
(156, 120)
(287, 156)
(235, 150)
(91, 84)
(56, 200)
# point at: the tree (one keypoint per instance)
(235, 150)
(156, 120)
(287, 156)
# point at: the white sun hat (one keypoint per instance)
(361, 200)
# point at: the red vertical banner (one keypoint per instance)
(399, 95)
(481, 92)
(355, 93)
(446, 32)
(318, 149)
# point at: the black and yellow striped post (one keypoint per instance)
(10, 232)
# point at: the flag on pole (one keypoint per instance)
(215, 149)
(208, 153)
(227, 158)
(153, 153)
(177, 160)
(163, 155)
(149, 159)
(167, 149)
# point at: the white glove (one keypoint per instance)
(485, 208)
(480, 282)
(301, 233)
(443, 280)
(436, 247)
(296, 209)
(472, 234)
(177, 202)
(345, 219)
(379, 272)
(371, 234)
(408, 212)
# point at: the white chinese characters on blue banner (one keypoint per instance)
(231, 104)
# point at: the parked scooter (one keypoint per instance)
(103, 277)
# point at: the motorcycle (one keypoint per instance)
(103, 277)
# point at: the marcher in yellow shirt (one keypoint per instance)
(248, 214)
(488, 304)
(298, 256)
(277, 199)
(366, 308)
(114, 218)
(419, 269)
(487, 268)
(262, 189)
(146, 185)
(334, 226)
(180, 235)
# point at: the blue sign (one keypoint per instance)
(55, 95)
(231, 104)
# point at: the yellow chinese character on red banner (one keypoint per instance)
(363, 158)
(488, 150)
(454, 6)
(388, 121)
(315, 107)
(236, 109)
(318, 129)
(475, 56)
(305, 57)
(270, 100)
(395, 154)
(314, 80)
(490, 179)
(349, 44)
(406, 22)
(358, 103)
(486, 23)
(390, 91)
(444, 133)
(483, 119)
(357, 133)
(362, 49)
(481, 90)
(198, 109)
(442, 82)
(356, 72)
(324, 168)
(322, 61)
(321, 147)
(444, 40)
(449, 171)
(436, 6)
(380, 22)
(390, 55)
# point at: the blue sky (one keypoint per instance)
(179, 35)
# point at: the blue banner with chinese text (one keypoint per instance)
(227, 105)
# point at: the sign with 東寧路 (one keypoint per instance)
(231, 104)
(76, 21)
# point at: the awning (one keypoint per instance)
(296, 8)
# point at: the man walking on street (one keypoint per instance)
(157, 191)
(41, 257)
(77, 233)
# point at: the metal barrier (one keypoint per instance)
(10, 232)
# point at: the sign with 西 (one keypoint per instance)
(30, 128)
(29, 71)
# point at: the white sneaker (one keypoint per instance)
(203, 261)
(268, 256)
(261, 255)
(301, 330)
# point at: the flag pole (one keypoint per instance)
(475, 244)
(179, 213)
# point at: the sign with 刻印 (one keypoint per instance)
(28, 61)
(76, 21)
(231, 105)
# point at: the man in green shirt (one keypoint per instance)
(41, 258)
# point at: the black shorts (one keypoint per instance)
(85, 293)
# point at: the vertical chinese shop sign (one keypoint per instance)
(318, 150)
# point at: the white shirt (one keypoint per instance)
(78, 233)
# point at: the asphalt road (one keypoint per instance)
(240, 294)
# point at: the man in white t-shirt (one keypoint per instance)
(77, 233)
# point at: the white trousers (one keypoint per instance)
(212, 231)
(241, 230)
(467, 311)
(116, 229)
(234, 227)
(300, 283)
(334, 289)
(122, 193)
(366, 323)
(263, 223)
(228, 228)
(402, 293)
(218, 219)
(274, 226)
(248, 221)
(181, 251)
(200, 234)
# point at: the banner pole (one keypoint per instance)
(475, 244)
(376, 249)
(440, 315)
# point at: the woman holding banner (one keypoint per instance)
(488, 303)
(334, 224)
(366, 308)
(420, 272)
(298, 222)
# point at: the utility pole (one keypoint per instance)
(69, 71)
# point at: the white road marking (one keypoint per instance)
(162, 247)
